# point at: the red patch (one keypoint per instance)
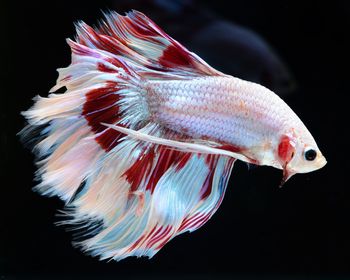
(99, 41)
(161, 233)
(108, 139)
(175, 56)
(211, 161)
(160, 246)
(286, 149)
(108, 44)
(187, 221)
(83, 50)
(118, 63)
(100, 107)
(185, 157)
(151, 232)
(104, 68)
(154, 235)
(201, 221)
(137, 242)
(167, 158)
(143, 239)
(139, 30)
(141, 167)
(195, 221)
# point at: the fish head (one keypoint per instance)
(299, 153)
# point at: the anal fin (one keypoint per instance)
(146, 194)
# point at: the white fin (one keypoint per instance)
(140, 191)
(174, 192)
(144, 45)
(181, 146)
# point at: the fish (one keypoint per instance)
(141, 144)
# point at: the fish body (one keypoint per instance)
(244, 115)
(144, 139)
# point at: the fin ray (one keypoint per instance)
(129, 184)
(176, 203)
(138, 39)
(182, 146)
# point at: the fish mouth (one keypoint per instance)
(317, 164)
(288, 172)
(321, 162)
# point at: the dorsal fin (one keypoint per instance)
(140, 40)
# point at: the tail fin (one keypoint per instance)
(100, 88)
(143, 192)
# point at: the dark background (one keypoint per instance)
(299, 231)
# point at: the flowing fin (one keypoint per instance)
(100, 88)
(99, 152)
(182, 146)
(138, 39)
(159, 194)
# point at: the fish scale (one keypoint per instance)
(225, 109)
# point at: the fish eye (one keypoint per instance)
(310, 154)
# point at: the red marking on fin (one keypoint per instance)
(100, 106)
(140, 30)
(211, 161)
(151, 232)
(206, 188)
(108, 139)
(163, 164)
(154, 235)
(141, 168)
(123, 36)
(174, 56)
(159, 236)
(166, 159)
(200, 221)
(185, 158)
(187, 221)
(104, 68)
(161, 245)
(143, 239)
(195, 221)
(137, 242)
(82, 50)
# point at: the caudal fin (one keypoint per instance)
(144, 192)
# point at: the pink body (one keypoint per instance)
(226, 110)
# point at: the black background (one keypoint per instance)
(300, 230)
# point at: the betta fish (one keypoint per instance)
(141, 144)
